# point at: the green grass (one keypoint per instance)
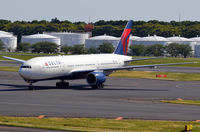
(98, 124)
(174, 76)
(169, 60)
(21, 53)
(188, 102)
(9, 68)
(18, 57)
(23, 56)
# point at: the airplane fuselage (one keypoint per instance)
(44, 68)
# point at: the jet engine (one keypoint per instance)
(96, 78)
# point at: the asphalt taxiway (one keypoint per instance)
(121, 97)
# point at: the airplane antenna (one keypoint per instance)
(179, 17)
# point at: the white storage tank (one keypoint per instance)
(98, 40)
(151, 40)
(181, 40)
(195, 40)
(5, 33)
(10, 42)
(70, 39)
(178, 40)
(133, 39)
(32, 39)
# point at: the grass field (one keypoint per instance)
(24, 56)
(9, 68)
(98, 124)
(152, 75)
(170, 60)
(188, 102)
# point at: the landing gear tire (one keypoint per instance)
(30, 87)
(99, 86)
(62, 84)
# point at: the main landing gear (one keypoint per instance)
(62, 84)
(97, 86)
(31, 87)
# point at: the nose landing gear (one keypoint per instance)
(30, 87)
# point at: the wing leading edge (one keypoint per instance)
(15, 59)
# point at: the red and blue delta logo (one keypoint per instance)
(125, 40)
(46, 64)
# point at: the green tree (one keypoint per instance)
(173, 49)
(78, 49)
(155, 50)
(106, 47)
(93, 50)
(24, 47)
(2, 45)
(185, 50)
(66, 49)
(45, 47)
(137, 50)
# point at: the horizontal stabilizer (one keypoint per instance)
(138, 59)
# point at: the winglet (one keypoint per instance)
(122, 47)
(15, 59)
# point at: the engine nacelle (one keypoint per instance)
(96, 78)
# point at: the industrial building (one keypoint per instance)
(150, 40)
(32, 39)
(98, 40)
(10, 41)
(197, 50)
(70, 39)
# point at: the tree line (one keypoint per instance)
(173, 50)
(186, 29)
(49, 47)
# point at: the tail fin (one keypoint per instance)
(122, 47)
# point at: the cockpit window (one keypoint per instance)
(26, 67)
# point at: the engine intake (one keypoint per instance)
(96, 78)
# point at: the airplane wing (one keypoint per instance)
(141, 66)
(126, 67)
(15, 59)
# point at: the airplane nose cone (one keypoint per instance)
(21, 73)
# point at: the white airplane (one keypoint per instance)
(93, 67)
